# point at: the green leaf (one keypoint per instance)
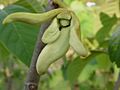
(100, 61)
(75, 68)
(114, 46)
(57, 82)
(110, 86)
(33, 5)
(7, 2)
(86, 17)
(103, 61)
(4, 53)
(68, 1)
(88, 70)
(19, 38)
(107, 23)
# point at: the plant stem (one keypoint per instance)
(117, 84)
(32, 76)
(8, 78)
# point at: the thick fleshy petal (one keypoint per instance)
(52, 32)
(53, 51)
(32, 18)
(75, 41)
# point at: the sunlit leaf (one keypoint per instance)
(68, 1)
(86, 17)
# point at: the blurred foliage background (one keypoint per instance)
(98, 71)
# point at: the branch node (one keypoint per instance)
(32, 86)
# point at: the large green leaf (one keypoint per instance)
(18, 37)
(100, 61)
(103, 61)
(33, 5)
(4, 53)
(75, 68)
(107, 23)
(114, 46)
(88, 70)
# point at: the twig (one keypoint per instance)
(32, 76)
(8, 78)
(117, 84)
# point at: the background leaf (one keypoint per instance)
(4, 53)
(107, 23)
(78, 65)
(87, 18)
(114, 46)
(33, 5)
(103, 61)
(110, 7)
(18, 37)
